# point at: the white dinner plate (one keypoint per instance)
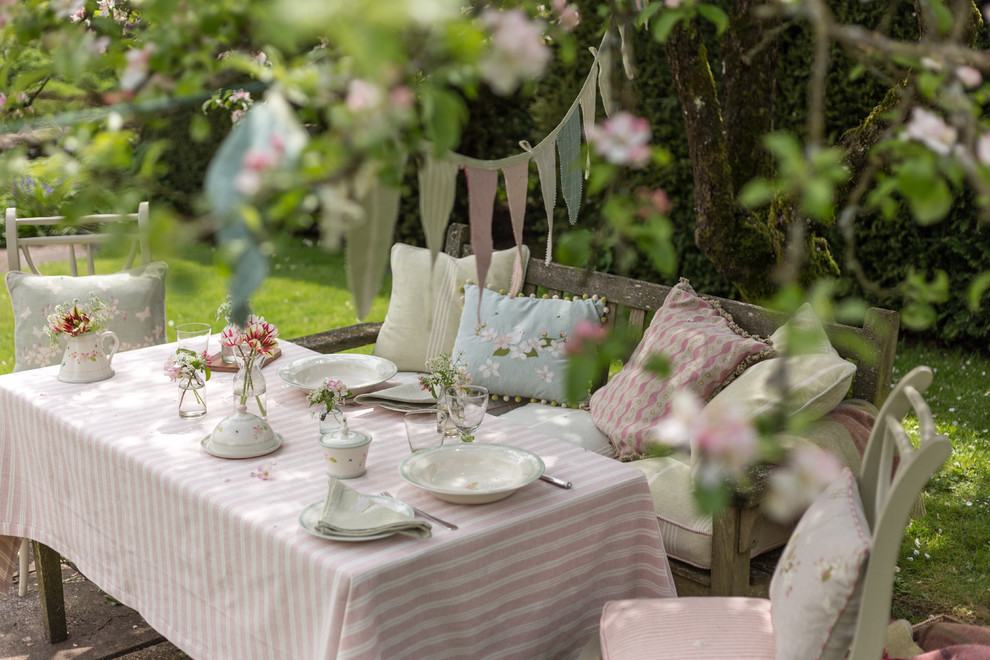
(358, 372)
(472, 473)
(311, 515)
(234, 452)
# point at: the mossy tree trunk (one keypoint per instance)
(724, 129)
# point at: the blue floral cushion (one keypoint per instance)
(517, 346)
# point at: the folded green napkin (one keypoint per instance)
(407, 396)
(347, 512)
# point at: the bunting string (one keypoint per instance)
(559, 151)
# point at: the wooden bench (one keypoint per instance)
(871, 347)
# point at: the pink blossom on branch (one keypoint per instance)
(983, 148)
(622, 139)
(567, 14)
(794, 485)
(930, 130)
(725, 442)
(137, 67)
(516, 52)
(585, 331)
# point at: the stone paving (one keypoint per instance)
(99, 627)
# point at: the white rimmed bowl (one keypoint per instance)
(358, 372)
(475, 473)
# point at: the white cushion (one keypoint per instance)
(697, 628)
(570, 424)
(816, 587)
(818, 378)
(425, 305)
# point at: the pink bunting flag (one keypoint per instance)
(516, 185)
(481, 206)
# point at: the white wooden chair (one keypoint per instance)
(89, 243)
(784, 625)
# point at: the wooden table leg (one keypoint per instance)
(48, 567)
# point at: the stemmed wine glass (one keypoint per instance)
(466, 406)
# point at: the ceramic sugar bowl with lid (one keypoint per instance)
(345, 451)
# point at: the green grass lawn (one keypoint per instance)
(944, 566)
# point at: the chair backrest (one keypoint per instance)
(17, 246)
(888, 501)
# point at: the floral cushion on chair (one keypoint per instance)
(816, 588)
(705, 350)
(516, 346)
(135, 300)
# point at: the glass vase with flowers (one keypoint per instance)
(251, 345)
(330, 395)
(191, 371)
(446, 372)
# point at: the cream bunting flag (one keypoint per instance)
(516, 186)
(587, 101)
(369, 244)
(569, 150)
(437, 187)
(546, 165)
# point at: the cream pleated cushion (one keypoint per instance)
(424, 309)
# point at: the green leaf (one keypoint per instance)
(932, 203)
(667, 21)
(714, 15)
(443, 114)
(816, 198)
(756, 192)
(648, 12)
(979, 286)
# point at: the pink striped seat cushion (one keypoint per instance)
(701, 628)
(705, 350)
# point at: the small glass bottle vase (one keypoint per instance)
(192, 403)
(331, 420)
(444, 424)
(250, 388)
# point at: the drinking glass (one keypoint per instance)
(421, 430)
(194, 336)
(467, 406)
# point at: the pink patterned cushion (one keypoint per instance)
(699, 628)
(705, 349)
(816, 588)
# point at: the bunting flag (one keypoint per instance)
(606, 62)
(481, 200)
(437, 187)
(569, 152)
(587, 101)
(369, 245)
(516, 186)
(546, 165)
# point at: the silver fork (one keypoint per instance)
(439, 521)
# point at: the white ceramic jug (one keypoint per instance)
(87, 358)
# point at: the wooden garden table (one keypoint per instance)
(214, 558)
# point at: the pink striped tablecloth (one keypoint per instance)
(108, 475)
